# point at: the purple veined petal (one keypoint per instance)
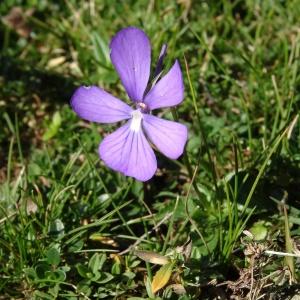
(96, 105)
(168, 136)
(131, 56)
(168, 91)
(128, 152)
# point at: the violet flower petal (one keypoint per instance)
(131, 56)
(127, 151)
(168, 136)
(96, 105)
(168, 91)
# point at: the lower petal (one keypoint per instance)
(128, 152)
(169, 137)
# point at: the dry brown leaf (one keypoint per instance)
(17, 20)
(152, 257)
(162, 277)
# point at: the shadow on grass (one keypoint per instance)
(280, 182)
(28, 93)
(285, 293)
(49, 86)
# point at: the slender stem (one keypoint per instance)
(188, 165)
(202, 131)
(188, 213)
(170, 227)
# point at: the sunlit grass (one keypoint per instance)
(69, 225)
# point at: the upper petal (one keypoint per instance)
(127, 151)
(131, 56)
(168, 91)
(169, 137)
(96, 105)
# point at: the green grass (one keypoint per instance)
(69, 226)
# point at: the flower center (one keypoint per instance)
(142, 107)
(136, 120)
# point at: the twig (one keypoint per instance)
(7, 217)
(167, 216)
(270, 252)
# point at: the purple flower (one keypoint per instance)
(127, 150)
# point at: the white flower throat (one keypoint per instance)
(136, 120)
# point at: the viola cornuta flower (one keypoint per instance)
(127, 150)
